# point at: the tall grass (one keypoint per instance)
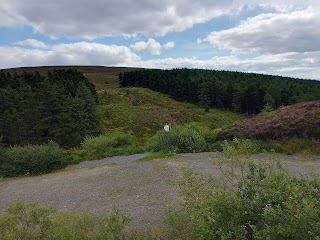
(32, 159)
(181, 139)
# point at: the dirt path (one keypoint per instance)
(142, 190)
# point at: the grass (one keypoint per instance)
(143, 112)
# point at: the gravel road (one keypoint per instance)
(142, 190)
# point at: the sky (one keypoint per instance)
(277, 37)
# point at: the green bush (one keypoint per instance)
(249, 201)
(30, 221)
(104, 146)
(182, 139)
(32, 160)
(239, 147)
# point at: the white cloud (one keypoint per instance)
(32, 43)
(82, 53)
(296, 31)
(151, 47)
(168, 45)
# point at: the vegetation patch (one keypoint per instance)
(250, 201)
(107, 145)
(297, 121)
(30, 221)
(119, 112)
(33, 160)
(183, 139)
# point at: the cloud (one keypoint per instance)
(32, 43)
(168, 45)
(82, 53)
(296, 31)
(151, 47)
(99, 18)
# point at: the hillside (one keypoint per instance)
(139, 111)
(143, 112)
(248, 93)
(296, 121)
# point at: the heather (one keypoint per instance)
(297, 121)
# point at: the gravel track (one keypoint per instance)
(143, 190)
(109, 160)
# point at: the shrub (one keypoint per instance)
(266, 202)
(114, 140)
(104, 146)
(32, 159)
(179, 140)
(30, 221)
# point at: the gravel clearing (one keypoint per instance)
(143, 190)
(109, 160)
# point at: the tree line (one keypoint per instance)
(241, 92)
(36, 109)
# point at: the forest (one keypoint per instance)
(240, 92)
(35, 109)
